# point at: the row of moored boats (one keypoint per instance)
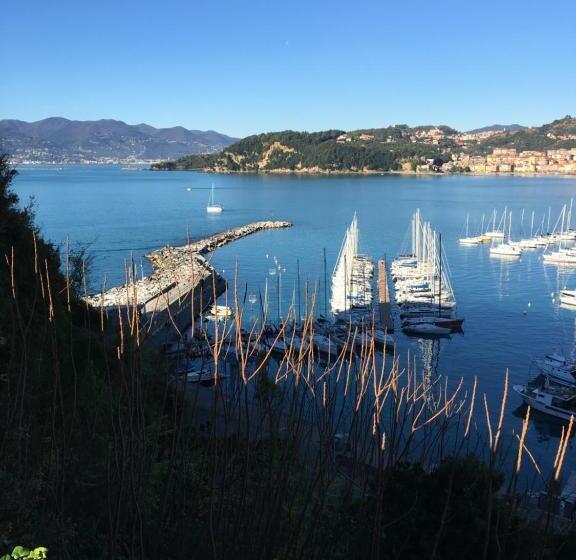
(422, 284)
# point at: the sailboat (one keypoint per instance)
(469, 240)
(351, 279)
(422, 285)
(563, 255)
(497, 233)
(506, 249)
(212, 207)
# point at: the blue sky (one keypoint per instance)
(243, 67)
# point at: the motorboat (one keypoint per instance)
(568, 297)
(326, 344)
(446, 322)
(219, 312)
(554, 401)
(429, 329)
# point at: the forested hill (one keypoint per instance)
(394, 148)
(328, 151)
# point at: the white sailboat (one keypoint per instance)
(212, 207)
(469, 240)
(507, 249)
(497, 233)
(563, 255)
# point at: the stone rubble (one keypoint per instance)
(175, 265)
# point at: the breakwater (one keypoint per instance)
(181, 285)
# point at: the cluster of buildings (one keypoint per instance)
(509, 160)
(424, 135)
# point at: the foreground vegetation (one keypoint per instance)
(101, 457)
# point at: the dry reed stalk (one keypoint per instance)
(444, 408)
(530, 456)
(34, 243)
(560, 445)
(49, 289)
(521, 440)
(121, 328)
(12, 280)
(68, 273)
(490, 438)
(501, 418)
(564, 447)
(471, 409)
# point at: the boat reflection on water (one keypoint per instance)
(548, 427)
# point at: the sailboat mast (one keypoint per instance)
(325, 288)
(440, 276)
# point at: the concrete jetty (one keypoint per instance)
(181, 285)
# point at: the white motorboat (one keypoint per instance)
(212, 207)
(555, 401)
(568, 297)
(326, 344)
(558, 368)
(219, 313)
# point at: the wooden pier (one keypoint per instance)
(384, 305)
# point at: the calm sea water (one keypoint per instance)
(511, 315)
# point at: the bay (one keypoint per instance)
(511, 307)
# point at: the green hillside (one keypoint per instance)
(393, 148)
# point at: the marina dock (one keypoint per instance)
(384, 305)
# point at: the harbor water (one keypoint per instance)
(511, 309)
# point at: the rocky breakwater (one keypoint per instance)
(182, 282)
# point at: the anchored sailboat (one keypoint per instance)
(212, 207)
(469, 240)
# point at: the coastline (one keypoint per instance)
(365, 173)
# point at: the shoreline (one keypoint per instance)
(368, 173)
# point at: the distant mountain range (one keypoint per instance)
(57, 139)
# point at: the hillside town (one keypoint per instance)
(509, 160)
